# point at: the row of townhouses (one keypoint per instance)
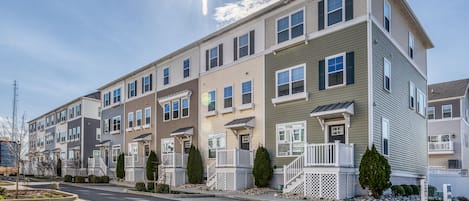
(316, 82)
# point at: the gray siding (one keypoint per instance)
(456, 103)
(350, 39)
(70, 125)
(115, 138)
(89, 137)
(407, 140)
(50, 131)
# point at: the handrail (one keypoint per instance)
(293, 170)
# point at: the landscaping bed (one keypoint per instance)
(36, 195)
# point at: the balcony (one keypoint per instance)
(174, 160)
(234, 158)
(329, 155)
(441, 147)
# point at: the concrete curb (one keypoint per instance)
(229, 195)
(168, 196)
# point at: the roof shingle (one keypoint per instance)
(447, 89)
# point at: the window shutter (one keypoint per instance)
(220, 54)
(135, 83)
(151, 82)
(143, 84)
(251, 42)
(322, 75)
(128, 90)
(109, 125)
(350, 60)
(320, 15)
(348, 10)
(235, 48)
(206, 60)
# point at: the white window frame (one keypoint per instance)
(115, 155)
(289, 25)
(344, 69)
(386, 3)
(130, 119)
(132, 89)
(116, 95)
(251, 92)
(164, 111)
(289, 69)
(211, 57)
(188, 68)
(247, 45)
(98, 134)
(215, 136)
(210, 100)
(291, 141)
(443, 111)
(385, 134)
(422, 111)
(133, 152)
(327, 12)
(411, 45)
(137, 117)
(147, 111)
(114, 123)
(224, 98)
(412, 95)
(178, 109)
(387, 74)
(145, 84)
(188, 107)
(166, 76)
(107, 99)
(165, 142)
(433, 112)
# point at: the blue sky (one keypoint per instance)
(59, 50)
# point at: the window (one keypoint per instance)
(228, 97)
(74, 133)
(130, 119)
(291, 81)
(431, 113)
(116, 123)
(107, 99)
(106, 126)
(447, 111)
(117, 95)
(71, 155)
(72, 112)
(290, 27)
(211, 101)
(147, 116)
(139, 117)
(387, 16)
(133, 150)
(186, 67)
(116, 151)
(98, 134)
(291, 138)
(63, 136)
(165, 76)
(243, 45)
(70, 134)
(215, 141)
(246, 91)
(96, 154)
(334, 12)
(167, 112)
(439, 138)
(385, 136)
(185, 107)
(167, 145)
(78, 132)
(175, 109)
(411, 45)
(335, 70)
(132, 89)
(411, 95)
(78, 111)
(147, 83)
(147, 150)
(213, 57)
(387, 75)
(421, 102)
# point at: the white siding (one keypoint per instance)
(175, 66)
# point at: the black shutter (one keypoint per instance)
(206, 60)
(128, 90)
(320, 15)
(350, 62)
(220, 54)
(151, 82)
(108, 125)
(251, 42)
(135, 83)
(235, 48)
(143, 84)
(322, 75)
(348, 10)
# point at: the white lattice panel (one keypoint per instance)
(230, 181)
(299, 189)
(221, 181)
(329, 186)
(312, 185)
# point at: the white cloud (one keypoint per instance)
(231, 12)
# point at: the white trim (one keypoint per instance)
(147, 123)
(294, 97)
(370, 73)
(133, 122)
(227, 110)
(169, 76)
(434, 113)
(248, 45)
(252, 92)
(446, 99)
(386, 61)
(424, 111)
(246, 106)
(177, 95)
(385, 120)
(136, 119)
(232, 97)
(411, 44)
(188, 108)
(326, 14)
(210, 100)
(305, 127)
(164, 111)
(332, 123)
(451, 111)
(289, 25)
(412, 94)
(289, 69)
(344, 70)
(386, 2)
(178, 108)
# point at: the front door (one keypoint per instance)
(187, 146)
(244, 142)
(106, 156)
(337, 132)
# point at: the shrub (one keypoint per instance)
(462, 198)
(431, 191)
(262, 170)
(3, 191)
(375, 172)
(59, 167)
(80, 179)
(407, 189)
(68, 178)
(120, 172)
(397, 190)
(105, 179)
(92, 179)
(1, 197)
(140, 186)
(150, 186)
(152, 166)
(195, 169)
(162, 188)
(415, 189)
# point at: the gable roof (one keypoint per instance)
(449, 89)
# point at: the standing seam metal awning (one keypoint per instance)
(143, 137)
(342, 109)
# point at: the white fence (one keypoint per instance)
(134, 161)
(96, 166)
(174, 160)
(441, 146)
(234, 158)
(329, 154)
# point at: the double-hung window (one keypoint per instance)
(431, 113)
(228, 97)
(447, 111)
(78, 108)
(186, 67)
(215, 141)
(167, 112)
(106, 126)
(147, 83)
(132, 89)
(385, 136)
(211, 100)
(335, 75)
(185, 107)
(334, 12)
(165, 76)
(387, 75)
(116, 151)
(72, 112)
(243, 45)
(291, 81)
(387, 16)
(175, 109)
(79, 132)
(130, 119)
(246, 91)
(421, 102)
(291, 138)
(107, 99)
(213, 57)
(147, 116)
(116, 123)
(167, 145)
(290, 26)
(411, 45)
(138, 115)
(411, 95)
(117, 95)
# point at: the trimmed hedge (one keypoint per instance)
(120, 171)
(140, 186)
(375, 172)
(195, 170)
(407, 189)
(431, 191)
(105, 179)
(92, 179)
(415, 189)
(152, 166)
(162, 188)
(80, 179)
(150, 186)
(68, 178)
(397, 190)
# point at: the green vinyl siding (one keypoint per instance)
(354, 39)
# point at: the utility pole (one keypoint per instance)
(14, 117)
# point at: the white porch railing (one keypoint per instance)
(436, 147)
(134, 161)
(293, 170)
(96, 166)
(174, 160)
(233, 158)
(329, 154)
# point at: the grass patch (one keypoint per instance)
(5, 183)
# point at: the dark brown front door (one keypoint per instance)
(106, 156)
(337, 132)
(187, 146)
(244, 142)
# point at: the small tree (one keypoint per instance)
(120, 172)
(375, 172)
(59, 167)
(152, 166)
(262, 169)
(195, 169)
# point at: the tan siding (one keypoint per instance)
(140, 103)
(438, 111)
(452, 127)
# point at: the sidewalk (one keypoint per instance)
(270, 196)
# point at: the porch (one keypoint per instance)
(134, 168)
(441, 147)
(97, 167)
(173, 168)
(231, 170)
(72, 167)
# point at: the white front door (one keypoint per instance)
(133, 150)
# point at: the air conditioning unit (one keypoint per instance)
(454, 164)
